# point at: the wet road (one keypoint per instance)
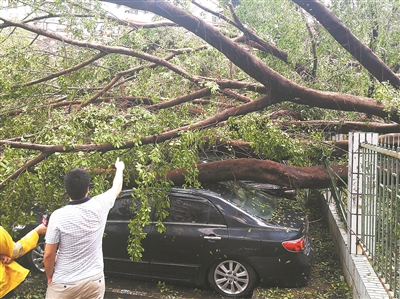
(122, 288)
(125, 288)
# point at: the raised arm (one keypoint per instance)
(118, 179)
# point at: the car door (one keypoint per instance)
(115, 242)
(195, 232)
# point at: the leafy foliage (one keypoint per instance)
(98, 80)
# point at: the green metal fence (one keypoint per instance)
(379, 230)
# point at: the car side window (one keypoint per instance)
(184, 210)
(122, 209)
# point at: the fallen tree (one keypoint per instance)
(163, 95)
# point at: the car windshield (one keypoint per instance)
(255, 202)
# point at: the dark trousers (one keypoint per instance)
(10, 295)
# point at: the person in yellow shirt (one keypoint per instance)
(11, 273)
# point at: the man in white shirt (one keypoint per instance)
(73, 256)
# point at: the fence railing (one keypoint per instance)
(377, 210)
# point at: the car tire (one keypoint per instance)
(232, 278)
(35, 257)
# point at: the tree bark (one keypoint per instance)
(265, 171)
(344, 127)
(348, 41)
(278, 87)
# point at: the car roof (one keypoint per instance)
(176, 190)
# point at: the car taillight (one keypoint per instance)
(295, 245)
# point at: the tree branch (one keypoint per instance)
(31, 163)
(344, 127)
(277, 86)
(292, 177)
(348, 41)
(102, 48)
(66, 71)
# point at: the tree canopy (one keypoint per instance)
(265, 81)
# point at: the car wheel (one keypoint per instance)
(232, 278)
(35, 257)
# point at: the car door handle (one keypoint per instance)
(212, 237)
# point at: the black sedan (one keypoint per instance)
(228, 235)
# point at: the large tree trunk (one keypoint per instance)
(274, 89)
(278, 88)
(264, 171)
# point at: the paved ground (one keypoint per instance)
(120, 288)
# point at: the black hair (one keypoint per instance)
(76, 182)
